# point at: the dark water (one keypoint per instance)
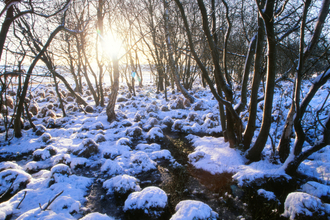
(180, 183)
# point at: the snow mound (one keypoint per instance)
(140, 162)
(148, 147)
(302, 204)
(96, 216)
(214, 155)
(149, 198)
(8, 165)
(316, 189)
(266, 194)
(61, 169)
(162, 154)
(193, 210)
(155, 134)
(13, 179)
(111, 167)
(121, 184)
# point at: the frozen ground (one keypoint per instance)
(41, 181)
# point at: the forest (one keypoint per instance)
(170, 109)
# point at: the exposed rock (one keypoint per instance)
(89, 109)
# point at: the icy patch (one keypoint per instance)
(192, 210)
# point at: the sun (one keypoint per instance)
(111, 45)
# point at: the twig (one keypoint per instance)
(17, 207)
(51, 201)
(5, 193)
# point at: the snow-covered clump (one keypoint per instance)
(214, 155)
(133, 132)
(161, 154)
(266, 194)
(43, 154)
(193, 210)
(148, 147)
(121, 184)
(151, 122)
(123, 141)
(65, 204)
(316, 189)
(87, 148)
(155, 134)
(111, 167)
(34, 166)
(8, 165)
(78, 162)
(151, 199)
(13, 179)
(140, 162)
(96, 216)
(302, 204)
(168, 121)
(61, 169)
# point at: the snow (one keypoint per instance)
(214, 155)
(149, 198)
(193, 210)
(96, 216)
(51, 158)
(299, 203)
(316, 189)
(266, 194)
(121, 184)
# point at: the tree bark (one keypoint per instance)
(254, 153)
(253, 105)
(174, 70)
(5, 27)
(110, 110)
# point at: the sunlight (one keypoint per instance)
(111, 44)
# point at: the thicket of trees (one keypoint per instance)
(230, 45)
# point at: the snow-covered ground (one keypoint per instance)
(45, 184)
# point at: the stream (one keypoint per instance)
(180, 183)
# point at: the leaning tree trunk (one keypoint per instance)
(20, 107)
(5, 27)
(110, 110)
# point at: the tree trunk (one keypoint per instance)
(110, 110)
(253, 105)
(254, 153)
(171, 60)
(5, 27)
(248, 62)
(20, 107)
